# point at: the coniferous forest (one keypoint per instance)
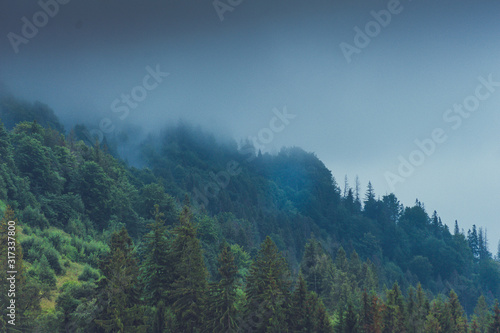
(209, 235)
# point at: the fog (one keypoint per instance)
(358, 107)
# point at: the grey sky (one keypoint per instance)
(358, 117)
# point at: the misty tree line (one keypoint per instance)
(73, 201)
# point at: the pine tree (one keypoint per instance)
(44, 272)
(482, 313)
(432, 324)
(474, 327)
(435, 224)
(456, 231)
(341, 260)
(394, 315)
(473, 240)
(351, 319)
(440, 310)
(346, 187)
(310, 266)
(422, 309)
(333, 284)
(369, 277)
(188, 291)
(457, 315)
(367, 312)
(122, 311)
(156, 275)
(322, 321)
(495, 324)
(224, 297)
(355, 268)
(357, 201)
(307, 311)
(300, 316)
(370, 207)
(267, 290)
(411, 313)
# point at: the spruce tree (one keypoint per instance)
(188, 291)
(351, 319)
(432, 324)
(156, 275)
(223, 299)
(482, 313)
(119, 292)
(322, 320)
(417, 308)
(307, 312)
(474, 327)
(341, 260)
(371, 314)
(456, 313)
(310, 267)
(495, 324)
(394, 314)
(300, 318)
(267, 289)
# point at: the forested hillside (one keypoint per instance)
(213, 236)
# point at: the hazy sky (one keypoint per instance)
(404, 80)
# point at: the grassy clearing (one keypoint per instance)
(72, 272)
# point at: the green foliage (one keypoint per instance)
(43, 272)
(267, 289)
(56, 183)
(34, 217)
(119, 289)
(482, 313)
(89, 274)
(242, 261)
(223, 315)
(494, 326)
(188, 290)
(37, 247)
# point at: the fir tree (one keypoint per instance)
(224, 296)
(341, 260)
(394, 315)
(156, 275)
(474, 327)
(457, 315)
(351, 319)
(432, 324)
(482, 313)
(267, 289)
(188, 291)
(300, 316)
(310, 267)
(122, 311)
(495, 324)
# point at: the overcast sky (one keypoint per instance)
(360, 104)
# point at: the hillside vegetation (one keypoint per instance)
(214, 236)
